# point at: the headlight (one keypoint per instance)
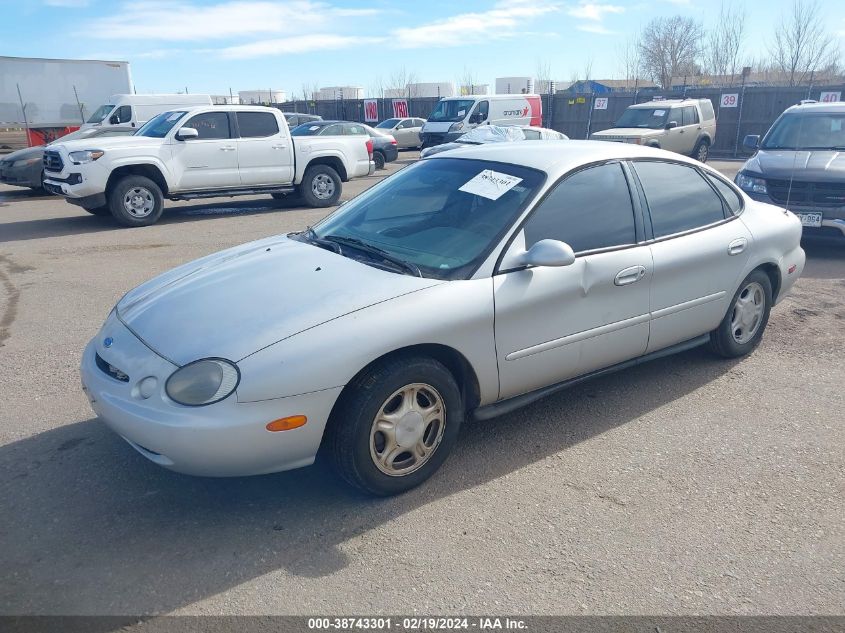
(86, 156)
(457, 127)
(203, 382)
(751, 183)
(27, 161)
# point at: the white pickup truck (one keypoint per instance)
(202, 152)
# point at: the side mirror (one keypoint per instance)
(113, 119)
(751, 142)
(671, 125)
(548, 253)
(185, 133)
(475, 118)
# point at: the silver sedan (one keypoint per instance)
(467, 284)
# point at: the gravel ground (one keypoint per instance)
(689, 485)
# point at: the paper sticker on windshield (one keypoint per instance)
(461, 112)
(659, 113)
(174, 116)
(836, 125)
(490, 184)
(314, 127)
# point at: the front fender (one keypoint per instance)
(456, 314)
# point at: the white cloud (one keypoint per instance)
(468, 28)
(192, 21)
(297, 44)
(595, 12)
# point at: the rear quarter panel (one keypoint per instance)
(351, 151)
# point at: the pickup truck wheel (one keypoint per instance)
(321, 186)
(378, 159)
(136, 201)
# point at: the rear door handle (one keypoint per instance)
(629, 275)
(737, 246)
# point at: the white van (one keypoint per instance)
(455, 116)
(135, 110)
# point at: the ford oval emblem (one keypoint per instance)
(108, 341)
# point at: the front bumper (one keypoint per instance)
(833, 218)
(225, 439)
(430, 139)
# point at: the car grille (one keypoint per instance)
(110, 370)
(53, 161)
(831, 194)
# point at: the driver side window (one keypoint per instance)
(589, 210)
(481, 111)
(123, 115)
(210, 125)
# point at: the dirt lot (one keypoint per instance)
(688, 485)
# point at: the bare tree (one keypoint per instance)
(803, 45)
(467, 80)
(543, 77)
(670, 47)
(630, 62)
(400, 78)
(588, 68)
(723, 47)
(376, 87)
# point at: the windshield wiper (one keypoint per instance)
(375, 250)
(311, 237)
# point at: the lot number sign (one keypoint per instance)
(370, 110)
(400, 108)
(600, 104)
(729, 100)
(830, 97)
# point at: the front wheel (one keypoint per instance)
(136, 201)
(395, 425)
(321, 186)
(742, 328)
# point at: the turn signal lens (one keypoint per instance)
(288, 423)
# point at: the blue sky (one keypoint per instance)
(210, 46)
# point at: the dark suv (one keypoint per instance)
(800, 165)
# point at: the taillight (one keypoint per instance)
(370, 147)
(393, 142)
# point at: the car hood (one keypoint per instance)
(816, 165)
(23, 154)
(107, 142)
(627, 131)
(241, 300)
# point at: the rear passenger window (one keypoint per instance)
(590, 209)
(354, 130)
(728, 193)
(678, 197)
(210, 125)
(690, 115)
(257, 124)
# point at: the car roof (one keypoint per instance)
(558, 158)
(818, 107)
(665, 103)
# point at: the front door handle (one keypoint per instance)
(279, 146)
(227, 148)
(629, 275)
(737, 246)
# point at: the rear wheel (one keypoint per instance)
(136, 201)
(702, 151)
(321, 186)
(395, 425)
(378, 159)
(742, 328)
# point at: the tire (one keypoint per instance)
(359, 449)
(40, 187)
(378, 159)
(136, 201)
(702, 151)
(100, 211)
(321, 186)
(742, 328)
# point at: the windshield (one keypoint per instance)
(101, 113)
(438, 215)
(389, 123)
(160, 125)
(805, 131)
(306, 129)
(651, 118)
(452, 110)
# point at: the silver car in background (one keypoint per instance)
(467, 284)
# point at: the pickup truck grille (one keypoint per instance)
(830, 194)
(53, 161)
